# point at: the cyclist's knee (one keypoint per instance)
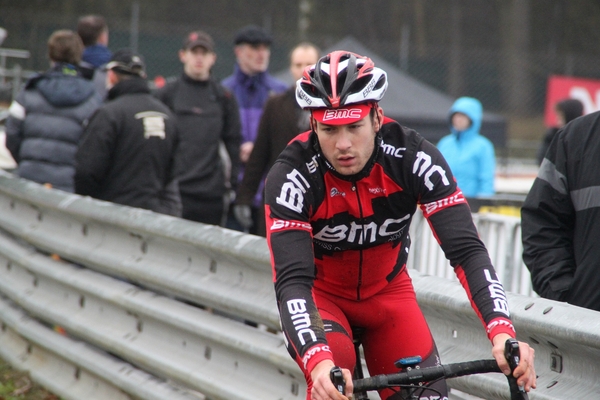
(340, 344)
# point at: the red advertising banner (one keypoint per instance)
(563, 87)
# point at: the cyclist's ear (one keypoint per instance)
(377, 117)
(313, 123)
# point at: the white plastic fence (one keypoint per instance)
(502, 237)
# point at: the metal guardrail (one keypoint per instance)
(162, 336)
(155, 304)
(73, 369)
(204, 264)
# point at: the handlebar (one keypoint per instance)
(337, 378)
(416, 375)
(513, 356)
(428, 374)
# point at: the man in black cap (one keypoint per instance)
(252, 85)
(126, 154)
(207, 122)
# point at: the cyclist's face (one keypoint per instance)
(349, 147)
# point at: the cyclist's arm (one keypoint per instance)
(457, 235)
(449, 216)
(289, 236)
(450, 219)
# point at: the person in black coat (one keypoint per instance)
(126, 155)
(566, 111)
(560, 218)
(208, 124)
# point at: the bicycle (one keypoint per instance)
(414, 380)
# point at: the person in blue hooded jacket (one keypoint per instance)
(470, 155)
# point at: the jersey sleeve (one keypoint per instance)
(451, 222)
(288, 195)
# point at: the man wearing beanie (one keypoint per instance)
(252, 85)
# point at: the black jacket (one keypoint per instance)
(126, 153)
(207, 115)
(281, 121)
(561, 217)
(46, 123)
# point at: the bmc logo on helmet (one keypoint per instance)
(342, 114)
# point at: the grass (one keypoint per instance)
(17, 385)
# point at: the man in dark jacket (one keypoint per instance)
(561, 217)
(207, 122)
(252, 85)
(281, 121)
(46, 119)
(127, 151)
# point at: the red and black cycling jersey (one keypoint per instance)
(348, 234)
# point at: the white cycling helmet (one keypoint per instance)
(339, 79)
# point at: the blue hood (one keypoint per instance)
(471, 108)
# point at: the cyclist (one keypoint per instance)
(339, 202)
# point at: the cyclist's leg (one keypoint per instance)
(403, 332)
(338, 332)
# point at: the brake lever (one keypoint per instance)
(336, 376)
(513, 356)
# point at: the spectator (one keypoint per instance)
(252, 85)
(207, 115)
(560, 217)
(126, 154)
(566, 110)
(281, 121)
(93, 31)
(469, 154)
(46, 119)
